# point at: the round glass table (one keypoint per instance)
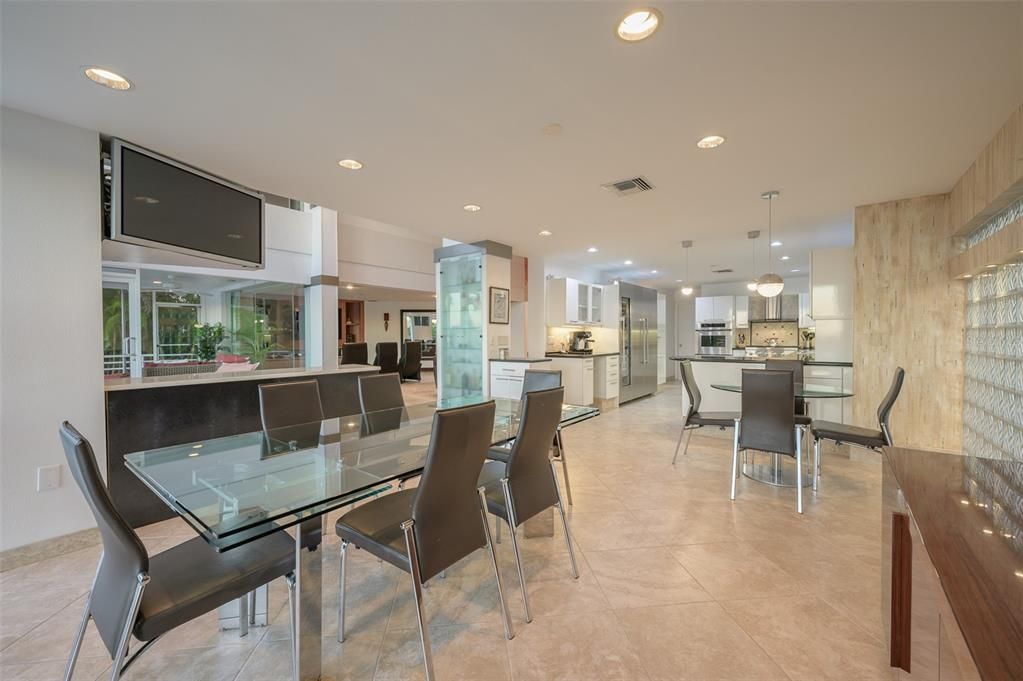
(773, 472)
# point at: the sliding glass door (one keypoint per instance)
(122, 325)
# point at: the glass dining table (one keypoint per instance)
(234, 490)
(773, 473)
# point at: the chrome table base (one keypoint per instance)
(773, 469)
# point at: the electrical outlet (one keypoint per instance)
(47, 477)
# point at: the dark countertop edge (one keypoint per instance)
(978, 575)
(525, 360)
(725, 358)
(574, 356)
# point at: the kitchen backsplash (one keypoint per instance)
(768, 334)
(559, 337)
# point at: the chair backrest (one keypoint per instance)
(124, 555)
(387, 357)
(354, 353)
(692, 390)
(447, 512)
(529, 465)
(768, 421)
(291, 412)
(540, 379)
(793, 365)
(381, 402)
(411, 361)
(884, 410)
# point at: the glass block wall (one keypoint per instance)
(993, 399)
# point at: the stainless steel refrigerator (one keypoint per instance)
(637, 341)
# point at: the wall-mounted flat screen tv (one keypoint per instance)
(158, 202)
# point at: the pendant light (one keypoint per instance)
(753, 235)
(687, 290)
(770, 284)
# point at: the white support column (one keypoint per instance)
(536, 311)
(321, 294)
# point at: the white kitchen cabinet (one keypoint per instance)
(577, 377)
(741, 311)
(715, 308)
(836, 378)
(805, 316)
(832, 274)
(606, 377)
(506, 377)
(610, 298)
(723, 373)
(574, 302)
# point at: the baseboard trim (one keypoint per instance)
(48, 548)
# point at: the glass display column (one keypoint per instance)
(460, 348)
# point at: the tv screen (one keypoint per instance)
(161, 203)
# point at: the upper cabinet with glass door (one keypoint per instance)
(573, 302)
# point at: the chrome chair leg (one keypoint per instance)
(129, 624)
(76, 647)
(294, 625)
(564, 524)
(497, 531)
(243, 616)
(515, 547)
(564, 465)
(816, 463)
(509, 630)
(342, 574)
(735, 457)
(417, 589)
(678, 445)
(252, 609)
(799, 470)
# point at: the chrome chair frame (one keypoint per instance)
(412, 551)
(799, 463)
(120, 665)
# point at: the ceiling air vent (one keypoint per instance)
(626, 187)
(724, 270)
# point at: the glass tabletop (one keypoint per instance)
(235, 489)
(806, 391)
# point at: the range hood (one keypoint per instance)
(783, 308)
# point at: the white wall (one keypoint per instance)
(51, 312)
(377, 254)
(375, 310)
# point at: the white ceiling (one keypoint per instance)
(835, 104)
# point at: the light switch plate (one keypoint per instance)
(47, 478)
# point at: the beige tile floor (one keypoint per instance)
(676, 582)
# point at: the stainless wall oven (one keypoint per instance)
(714, 338)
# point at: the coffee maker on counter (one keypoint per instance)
(580, 343)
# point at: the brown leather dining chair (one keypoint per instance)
(386, 357)
(526, 483)
(134, 593)
(694, 418)
(291, 413)
(381, 402)
(427, 529)
(768, 421)
(841, 433)
(354, 353)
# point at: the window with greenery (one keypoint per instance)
(264, 325)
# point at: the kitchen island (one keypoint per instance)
(727, 370)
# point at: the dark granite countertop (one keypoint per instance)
(753, 360)
(970, 514)
(528, 360)
(573, 355)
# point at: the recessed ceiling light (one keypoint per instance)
(545, 232)
(711, 141)
(157, 282)
(350, 164)
(991, 267)
(678, 281)
(471, 208)
(591, 249)
(687, 290)
(628, 262)
(107, 78)
(785, 257)
(639, 24)
(653, 271)
(967, 276)
(793, 270)
(776, 244)
(349, 287)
